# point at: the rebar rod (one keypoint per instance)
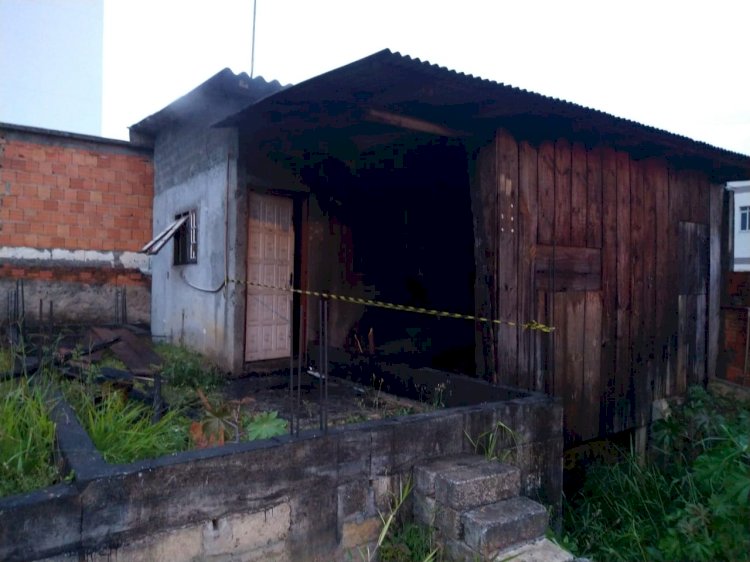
(320, 361)
(325, 364)
(291, 366)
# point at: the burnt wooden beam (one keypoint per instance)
(411, 123)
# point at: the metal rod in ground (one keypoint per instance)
(23, 302)
(325, 364)
(291, 366)
(320, 362)
(157, 398)
(300, 345)
(124, 307)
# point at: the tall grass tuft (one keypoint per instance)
(122, 430)
(690, 500)
(27, 437)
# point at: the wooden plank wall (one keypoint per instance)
(618, 254)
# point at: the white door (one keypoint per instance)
(270, 261)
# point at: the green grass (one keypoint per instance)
(689, 500)
(122, 430)
(26, 439)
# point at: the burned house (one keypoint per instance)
(395, 180)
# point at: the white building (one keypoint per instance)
(741, 224)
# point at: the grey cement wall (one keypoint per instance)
(189, 302)
(316, 497)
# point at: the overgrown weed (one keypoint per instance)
(689, 500)
(400, 538)
(27, 436)
(122, 430)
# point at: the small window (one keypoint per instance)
(186, 240)
(744, 219)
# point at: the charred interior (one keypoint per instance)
(402, 224)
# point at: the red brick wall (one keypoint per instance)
(63, 196)
(735, 327)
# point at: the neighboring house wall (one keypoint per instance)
(74, 212)
(741, 209)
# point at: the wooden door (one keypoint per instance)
(270, 262)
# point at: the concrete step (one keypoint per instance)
(492, 528)
(542, 550)
(426, 472)
(483, 483)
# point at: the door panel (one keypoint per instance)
(270, 261)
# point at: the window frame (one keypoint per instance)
(185, 239)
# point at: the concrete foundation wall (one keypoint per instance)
(316, 497)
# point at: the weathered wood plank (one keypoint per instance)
(683, 351)
(546, 169)
(562, 192)
(664, 286)
(507, 257)
(650, 335)
(591, 390)
(572, 307)
(609, 285)
(567, 268)
(484, 205)
(527, 229)
(693, 255)
(623, 406)
(716, 218)
(701, 191)
(594, 198)
(676, 196)
(543, 345)
(558, 306)
(638, 337)
(578, 195)
(701, 333)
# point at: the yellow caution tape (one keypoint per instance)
(532, 325)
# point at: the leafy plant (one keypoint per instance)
(225, 422)
(219, 424)
(264, 426)
(26, 439)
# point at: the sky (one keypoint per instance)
(682, 66)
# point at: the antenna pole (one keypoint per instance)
(252, 56)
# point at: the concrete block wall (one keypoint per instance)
(74, 211)
(312, 498)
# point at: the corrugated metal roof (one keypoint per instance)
(400, 82)
(223, 83)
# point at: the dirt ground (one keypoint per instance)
(345, 403)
